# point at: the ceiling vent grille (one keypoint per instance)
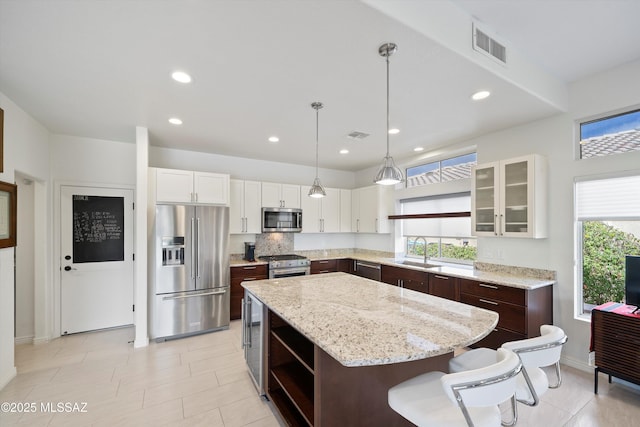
(357, 135)
(488, 46)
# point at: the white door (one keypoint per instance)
(96, 285)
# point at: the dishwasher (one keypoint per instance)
(368, 270)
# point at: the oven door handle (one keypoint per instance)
(285, 272)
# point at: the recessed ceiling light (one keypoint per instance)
(274, 139)
(175, 121)
(344, 151)
(418, 149)
(181, 76)
(480, 95)
(394, 131)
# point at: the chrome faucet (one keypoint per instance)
(425, 246)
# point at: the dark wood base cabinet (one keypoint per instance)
(324, 266)
(310, 388)
(616, 341)
(238, 275)
(522, 311)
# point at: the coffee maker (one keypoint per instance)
(249, 251)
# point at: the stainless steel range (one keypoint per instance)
(287, 265)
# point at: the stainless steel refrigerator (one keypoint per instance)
(189, 275)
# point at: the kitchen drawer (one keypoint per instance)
(497, 337)
(324, 266)
(493, 292)
(512, 317)
(258, 270)
(238, 275)
(444, 286)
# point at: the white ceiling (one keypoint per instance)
(99, 68)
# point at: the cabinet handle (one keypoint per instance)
(323, 271)
(495, 224)
(249, 268)
(322, 224)
(484, 285)
(376, 225)
(488, 302)
(323, 262)
(440, 277)
(357, 225)
(247, 279)
(500, 222)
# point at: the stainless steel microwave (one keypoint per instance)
(281, 220)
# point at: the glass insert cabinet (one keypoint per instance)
(508, 198)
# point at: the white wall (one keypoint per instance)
(25, 149)
(25, 268)
(94, 161)
(250, 169)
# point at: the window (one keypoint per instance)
(608, 219)
(441, 171)
(610, 135)
(442, 239)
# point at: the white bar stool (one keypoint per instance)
(469, 398)
(534, 353)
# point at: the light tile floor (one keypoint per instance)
(203, 381)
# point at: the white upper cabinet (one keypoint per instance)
(509, 198)
(246, 207)
(275, 195)
(370, 209)
(345, 211)
(178, 186)
(320, 215)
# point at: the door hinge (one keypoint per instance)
(134, 307)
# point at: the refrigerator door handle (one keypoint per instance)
(198, 246)
(194, 295)
(193, 249)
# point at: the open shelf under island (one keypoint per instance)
(336, 343)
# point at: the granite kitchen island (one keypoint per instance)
(335, 343)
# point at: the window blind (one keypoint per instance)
(437, 227)
(610, 198)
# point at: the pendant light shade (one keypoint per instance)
(389, 173)
(316, 189)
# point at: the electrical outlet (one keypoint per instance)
(592, 358)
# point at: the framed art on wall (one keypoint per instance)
(1, 140)
(8, 209)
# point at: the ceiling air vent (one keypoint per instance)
(357, 135)
(488, 46)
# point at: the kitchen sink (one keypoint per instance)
(417, 264)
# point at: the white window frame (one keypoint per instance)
(579, 313)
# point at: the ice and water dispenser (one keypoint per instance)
(173, 251)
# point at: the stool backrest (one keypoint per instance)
(540, 351)
(486, 386)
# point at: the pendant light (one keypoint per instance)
(389, 173)
(316, 189)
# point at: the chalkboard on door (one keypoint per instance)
(98, 229)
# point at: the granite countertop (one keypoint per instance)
(361, 322)
(515, 277)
